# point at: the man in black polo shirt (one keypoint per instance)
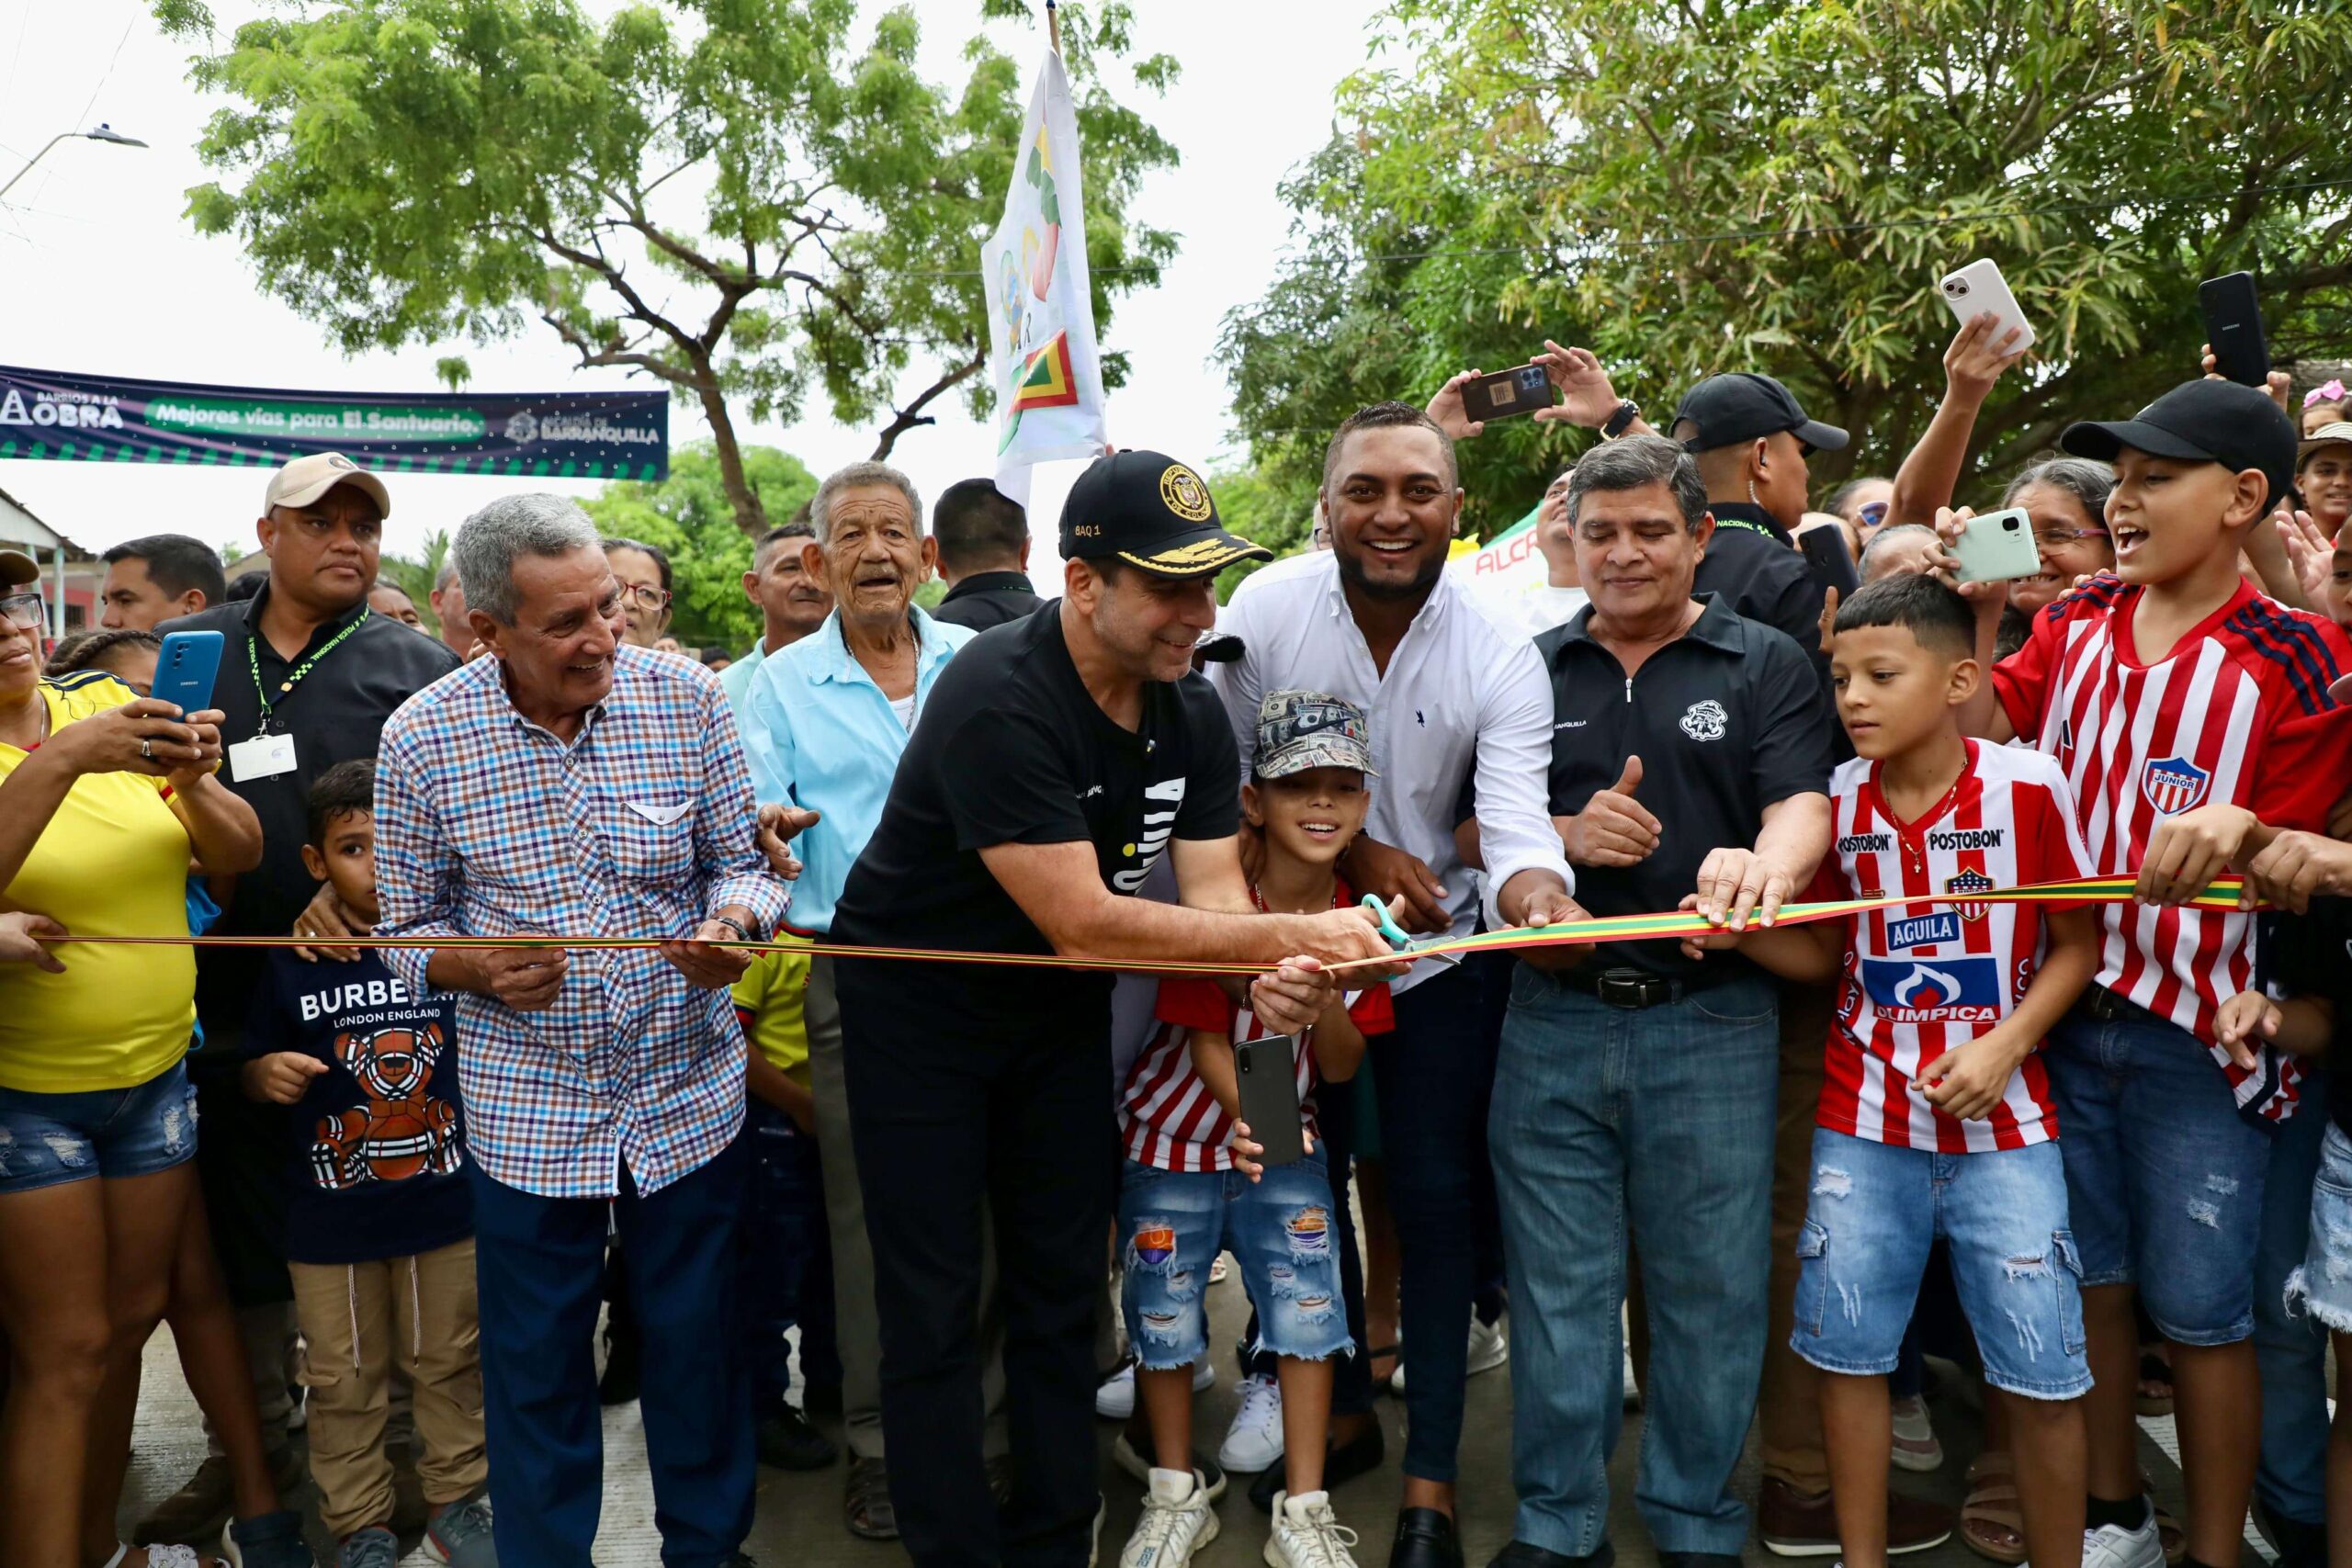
(1634, 1091)
(984, 555)
(1056, 760)
(308, 677)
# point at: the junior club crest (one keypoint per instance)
(1705, 720)
(2175, 785)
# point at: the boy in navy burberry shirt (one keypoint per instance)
(378, 1219)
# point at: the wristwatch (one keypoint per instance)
(1615, 425)
(736, 926)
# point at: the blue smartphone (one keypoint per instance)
(186, 667)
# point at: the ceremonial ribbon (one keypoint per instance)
(2219, 895)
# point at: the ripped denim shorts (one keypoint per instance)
(2323, 1286)
(1281, 1231)
(46, 1140)
(1875, 1211)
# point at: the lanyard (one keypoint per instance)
(294, 677)
(1751, 527)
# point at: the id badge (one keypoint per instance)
(262, 756)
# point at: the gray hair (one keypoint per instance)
(1631, 462)
(446, 575)
(854, 477)
(1898, 532)
(490, 542)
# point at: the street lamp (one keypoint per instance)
(103, 133)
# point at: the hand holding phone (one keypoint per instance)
(186, 667)
(1979, 287)
(2233, 334)
(1522, 389)
(1266, 1071)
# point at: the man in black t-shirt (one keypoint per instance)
(1058, 758)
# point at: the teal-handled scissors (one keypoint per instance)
(1387, 922)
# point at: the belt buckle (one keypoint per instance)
(1627, 988)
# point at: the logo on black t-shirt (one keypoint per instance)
(403, 1130)
(1143, 850)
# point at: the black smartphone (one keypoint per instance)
(2234, 326)
(1522, 389)
(1831, 563)
(1268, 1073)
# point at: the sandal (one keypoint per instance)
(1990, 1524)
(865, 1501)
(2156, 1371)
(2169, 1534)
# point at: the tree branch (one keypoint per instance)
(911, 416)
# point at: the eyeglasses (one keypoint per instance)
(2059, 538)
(646, 598)
(1872, 512)
(24, 610)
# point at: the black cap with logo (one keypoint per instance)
(2201, 422)
(1153, 513)
(1743, 406)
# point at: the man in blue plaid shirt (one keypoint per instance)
(571, 785)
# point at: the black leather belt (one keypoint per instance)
(2110, 1006)
(1632, 990)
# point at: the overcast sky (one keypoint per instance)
(102, 273)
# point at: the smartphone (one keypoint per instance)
(1268, 1074)
(1833, 565)
(1978, 288)
(186, 667)
(1998, 546)
(2234, 326)
(1522, 389)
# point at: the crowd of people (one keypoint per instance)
(391, 1181)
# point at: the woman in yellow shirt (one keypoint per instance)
(103, 798)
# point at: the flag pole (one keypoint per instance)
(1053, 27)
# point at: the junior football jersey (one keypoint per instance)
(1922, 979)
(2237, 713)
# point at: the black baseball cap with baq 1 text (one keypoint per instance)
(1152, 512)
(2201, 422)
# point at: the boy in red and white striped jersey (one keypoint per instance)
(2192, 718)
(1935, 1119)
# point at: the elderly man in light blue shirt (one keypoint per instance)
(824, 721)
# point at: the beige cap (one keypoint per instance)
(17, 569)
(305, 479)
(2336, 435)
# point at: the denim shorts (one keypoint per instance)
(1874, 1211)
(2164, 1178)
(1281, 1231)
(46, 1140)
(2323, 1286)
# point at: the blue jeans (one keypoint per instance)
(46, 1140)
(1433, 1075)
(2164, 1178)
(1280, 1229)
(538, 1267)
(1657, 1123)
(783, 1236)
(1875, 1210)
(2290, 1349)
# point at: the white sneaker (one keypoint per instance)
(1254, 1441)
(1220, 1268)
(1177, 1521)
(1489, 1349)
(1306, 1534)
(1115, 1396)
(1634, 1385)
(2113, 1547)
(1915, 1447)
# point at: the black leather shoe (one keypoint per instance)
(1519, 1555)
(1425, 1538)
(786, 1441)
(1698, 1559)
(1361, 1456)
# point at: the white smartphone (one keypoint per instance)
(1998, 548)
(1978, 288)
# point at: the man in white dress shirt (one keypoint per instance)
(1378, 622)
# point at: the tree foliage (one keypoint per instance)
(413, 574)
(1688, 186)
(690, 517)
(732, 196)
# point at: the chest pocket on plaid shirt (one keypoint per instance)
(649, 837)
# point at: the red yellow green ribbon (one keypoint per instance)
(2222, 894)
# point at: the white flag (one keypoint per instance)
(1041, 305)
